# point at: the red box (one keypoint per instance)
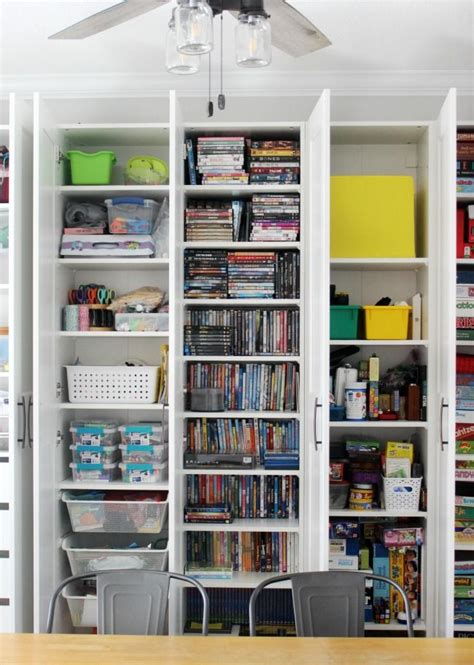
(463, 250)
(336, 472)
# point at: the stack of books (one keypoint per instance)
(275, 162)
(207, 341)
(209, 220)
(220, 160)
(205, 273)
(251, 274)
(202, 572)
(275, 217)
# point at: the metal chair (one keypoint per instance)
(131, 602)
(328, 604)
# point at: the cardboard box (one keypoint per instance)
(396, 573)
(465, 404)
(465, 291)
(397, 449)
(402, 537)
(464, 417)
(465, 185)
(380, 565)
(344, 529)
(464, 391)
(344, 546)
(372, 216)
(343, 562)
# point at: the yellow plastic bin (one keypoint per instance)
(386, 322)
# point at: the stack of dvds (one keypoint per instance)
(251, 274)
(209, 220)
(276, 162)
(205, 273)
(220, 160)
(207, 341)
(221, 514)
(275, 217)
(287, 280)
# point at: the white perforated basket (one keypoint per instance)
(402, 493)
(115, 384)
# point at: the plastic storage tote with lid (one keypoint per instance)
(95, 454)
(143, 434)
(344, 322)
(94, 472)
(91, 168)
(389, 322)
(144, 473)
(133, 454)
(131, 214)
(95, 432)
(138, 322)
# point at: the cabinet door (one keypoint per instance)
(445, 136)
(316, 312)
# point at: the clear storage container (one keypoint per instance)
(93, 472)
(95, 454)
(131, 214)
(143, 434)
(133, 454)
(135, 322)
(144, 473)
(113, 551)
(92, 512)
(82, 604)
(94, 433)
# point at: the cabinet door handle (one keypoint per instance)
(444, 405)
(28, 421)
(21, 403)
(317, 407)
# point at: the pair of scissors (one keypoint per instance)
(105, 296)
(78, 296)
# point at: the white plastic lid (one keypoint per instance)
(105, 467)
(103, 449)
(141, 466)
(357, 385)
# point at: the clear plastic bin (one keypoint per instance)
(95, 454)
(113, 551)
(143, 434)
(135, 322)
(93, 514)
(95, 433)
(144, 473)
(131, 214)
(133, 454)
(93, 472)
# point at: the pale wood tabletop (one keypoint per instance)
(117, 649)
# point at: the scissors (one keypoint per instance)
(80, 296)
(105, 296)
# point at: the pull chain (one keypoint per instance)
(210, 105)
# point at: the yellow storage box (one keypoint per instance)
(372, 217)
(389, 322)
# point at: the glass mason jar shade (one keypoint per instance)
(253, 41)
(176, 62)
(194, 27)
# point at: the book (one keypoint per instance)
(191, 162)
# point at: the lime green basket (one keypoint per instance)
(91, 168)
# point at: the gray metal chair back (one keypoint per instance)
(329, 603)
(131, 602)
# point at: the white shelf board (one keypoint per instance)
(238, 190)
(70, 484)
(111, 334)
(465, 196)
(239, 246)
(377, 512)
(266, 415)
(379, 264)
(464, 547)
(243, 359)
(102, 263)
(244, 581)
(380, 342)
(242, 302)
(376, 424)
(267, 525)
(258, 471)
(109, 407)
(111, 191)
(393, 626)
(464, 628)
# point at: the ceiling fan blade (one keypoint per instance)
(292, 32)
(108, 18)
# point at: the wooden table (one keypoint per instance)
(118, 650)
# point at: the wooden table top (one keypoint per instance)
(23, 649)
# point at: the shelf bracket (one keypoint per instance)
(58, 155)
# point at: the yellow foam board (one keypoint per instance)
(373, 217)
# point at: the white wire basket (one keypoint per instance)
(114, 553)
(402, 493)
(82, 606)
(112, 384)
(115, 516)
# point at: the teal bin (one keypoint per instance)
(91, 168)
(344, 321)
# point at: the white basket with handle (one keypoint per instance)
(402, 493)
(112, 384)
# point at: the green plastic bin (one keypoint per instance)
(344, 321)
(91, 168)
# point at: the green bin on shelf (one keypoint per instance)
(344, 321)
(91, 168)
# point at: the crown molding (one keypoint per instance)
(266, 83)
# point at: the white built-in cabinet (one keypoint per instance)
(422, 149)
(16, 519)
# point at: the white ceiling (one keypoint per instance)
(380, 38)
